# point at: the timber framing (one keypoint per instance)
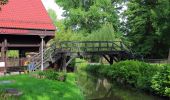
(21, 31)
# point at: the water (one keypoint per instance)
(95, 88)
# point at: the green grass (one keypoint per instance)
(43, 89)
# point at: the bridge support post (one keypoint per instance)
(64, 57)
(110, 58)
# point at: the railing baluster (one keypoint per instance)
(121, 44)
(107, 49)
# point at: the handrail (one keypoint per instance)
(78, 47)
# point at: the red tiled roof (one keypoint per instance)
(26, 14)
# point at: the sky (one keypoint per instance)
(50, 4)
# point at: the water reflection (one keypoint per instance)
(95, 88)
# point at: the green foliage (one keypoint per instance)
(52, 15)
(89, 15)
(69, 35)
(13, 53)
(64, 34)
(161, 81)
(53, 75)
(42, 89)
(94, 20)
(134, 73)
(106, 33)
(81, 63)
(147, 26)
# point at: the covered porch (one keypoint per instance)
(23, 30)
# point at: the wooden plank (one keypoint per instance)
(23, 45)
(18, 31)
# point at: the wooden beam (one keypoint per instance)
(23, 45)
(70, 60)
(111, 59)
(13, 31)
(106, 58)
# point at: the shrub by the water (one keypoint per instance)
(53, 75)
(135, 73)
(161, 81)
(143, 76)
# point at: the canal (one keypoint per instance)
(96, 88)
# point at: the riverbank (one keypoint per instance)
(100, 88)
(147, 78)
(41, 89)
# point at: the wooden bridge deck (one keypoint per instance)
(110, 50)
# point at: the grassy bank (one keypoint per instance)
(140, 75)
(42, 89)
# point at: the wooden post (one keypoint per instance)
(5, 52)
(3, 55)
(21, 56)
(42, 53)
(64, 62)
(111, 59)
(99, 48)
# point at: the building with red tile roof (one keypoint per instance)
(23, 24)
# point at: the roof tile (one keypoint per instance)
(26, 14)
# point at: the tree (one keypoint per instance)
(148, 25)
(105, 33)
(3, 2)
(89, 15)
(52, 15)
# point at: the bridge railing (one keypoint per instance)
(92, 46)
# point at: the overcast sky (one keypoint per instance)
(50, 4)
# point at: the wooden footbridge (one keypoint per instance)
(64, 52)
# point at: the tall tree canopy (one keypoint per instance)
(89, 15)
(148, 24)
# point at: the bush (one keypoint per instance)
(161, 81)
(81, 63)
(52, 75)
(134, 73)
